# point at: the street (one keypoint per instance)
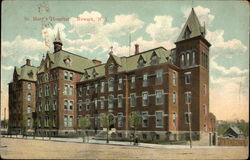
(33, 149)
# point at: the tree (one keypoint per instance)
(135, 120)
(106, 121)
(243, 126)
(84, 124)
(50, 127)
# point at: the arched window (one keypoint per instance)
(187, 59)
(193, 58)
(187, 33)
(182, 59)
(29, 86)
(111, 68)
(29, 97)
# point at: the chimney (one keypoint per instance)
(28, 62)
(97, 62)
(136, 48)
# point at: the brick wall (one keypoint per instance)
(232, 142)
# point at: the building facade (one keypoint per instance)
(169, 88)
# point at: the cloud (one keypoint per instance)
(224, 71)
(7, 67)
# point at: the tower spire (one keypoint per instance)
(57, 42)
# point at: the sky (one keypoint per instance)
(90, 28)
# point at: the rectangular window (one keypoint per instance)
(66, 74)
(133, 100)
(29, 86)
(144, 119)
(65, 92)
(88, 90)
(102, 102)
(120, 100)
(120, 119)
(65, 121)
(66, 103)
(187, 77)
(174, 97)
(87, 104)
(96, 87)
(145, 80)
(158, 76)
(159, 118)
(96, 103)
(111, 84)
(174, 78)
(111, 101)
(70, 123)
(187, 59)
(55, 90)
(159, 97)
(120, 84)
(182, 60)
(188, 97)
(80, 105)
(186, 117)
(80, 91)
(193, 58)
(71, 105)
(204, 89)
(144, 98)
(71, 90)
(71, 77)
(102, 86)
(132, 82)
(40, 92)
(174, 119)
(54, 105)
(204, 108)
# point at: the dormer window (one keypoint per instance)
(154, 60)
(94, 73)
(187, 33)
(30, 74)
(67, 61)
(111, 68)
(141, 63)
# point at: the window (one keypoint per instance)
(187, 59)
(204, 108)
(133, 100)
(87, 104)
(65, 121)
(80, 91)
(120, 119)
(80, 105)
(102, 86)
(71, 90)
(65, 92)
(120, 101)
(88, 90)
(187, 77)
(174, 78)
(28, 109)
(187, 33)
(111, 84)
(40, 92)
(54, 105)
(102, 102)
(186, 117)
(111, 101)
(141, 63)
(29, 97)
(159, 97)
(29, 122)
(46, 121)
(133, 82)
(145, 80)
(174, 119)
(204, 89)
(174, 98)
(111, 68)
(96, 103)
(182, 60)
(188, 97)
(144, 98)
(66, 74)
(158, 76)
(71, 76)
(159, 118)
(47, 90)
(71, 105)
(154, 60)
(144, 119)
(96, 87)
(29, 86)
(55, 90)
(193, 58)
(70, 123)
(66, 104)
(120, 84)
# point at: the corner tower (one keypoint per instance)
(192, 52)
(57, 42)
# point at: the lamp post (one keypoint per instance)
(189, 124)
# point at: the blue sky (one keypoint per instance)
(151, 24)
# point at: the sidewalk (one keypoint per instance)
(120, 143)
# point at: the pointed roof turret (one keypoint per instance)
(192, 28)
(58, 38)
(57, 42)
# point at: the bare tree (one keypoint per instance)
(135, 120)
(84, 124)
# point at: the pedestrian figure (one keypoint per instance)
(136, 140)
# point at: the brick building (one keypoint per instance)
(165, 86)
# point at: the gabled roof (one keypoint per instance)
(26, 72)
(77, 63)
(194, 26)
(130, 63)
(236, 130)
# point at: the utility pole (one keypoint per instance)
(189, 124)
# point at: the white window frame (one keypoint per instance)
(120, 84)
(120, 120)
(156, 103)
(143, 117)
(71, 90)
(186, 77)
(158, 78)
(111, 105)
(143, 104)
(174, 78)
(174, 98)
(102, 102)
(188, 97)
(102, 86)
(71, 76)
(133, 82)
(120, 101)
(29, 87)
(66, 75)
(131, 103)
(156, 125)
(145, 80)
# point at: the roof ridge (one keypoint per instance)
(147, 51)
